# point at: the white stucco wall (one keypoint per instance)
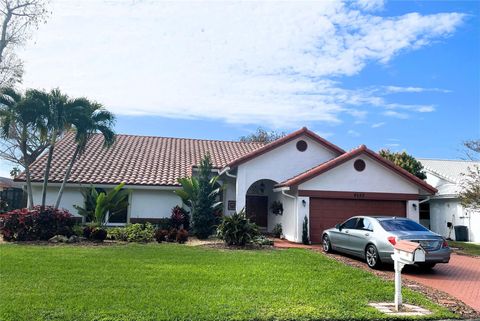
(413, 210)
(228, 184)
(71, 196)
(279, 164)
(450, 210)
(374, 178)
(153, 203)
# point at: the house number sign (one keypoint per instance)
(231, 205)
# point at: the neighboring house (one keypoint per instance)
(307, 174)
(444, 207)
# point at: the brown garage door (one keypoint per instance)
(326, 212)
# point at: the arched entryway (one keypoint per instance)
(258, 200)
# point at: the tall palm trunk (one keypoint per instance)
(26, 161)
(47, 170)
(66, 177)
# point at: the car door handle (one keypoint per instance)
(346, 231)
(367, 234)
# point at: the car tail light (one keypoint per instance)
(392, 240)
(444, 244)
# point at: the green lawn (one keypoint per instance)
(177, 282)
(467, 248)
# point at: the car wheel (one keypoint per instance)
(327, 246)
(372, 257)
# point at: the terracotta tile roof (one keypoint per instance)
(137, 160)
(284, 140)
(319, 169)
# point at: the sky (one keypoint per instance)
(403, 75)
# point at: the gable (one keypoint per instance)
(375, 178)
(285, 161)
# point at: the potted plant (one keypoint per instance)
(277, 207)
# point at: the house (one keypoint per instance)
(307, 174)
(444, 207)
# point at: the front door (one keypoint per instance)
(257, 209)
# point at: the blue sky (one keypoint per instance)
(398, 74)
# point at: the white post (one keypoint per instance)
(398, 283)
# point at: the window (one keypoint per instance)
(350, 224)
(402, 225)
(302, 145)
(364, 224)
(359, 165)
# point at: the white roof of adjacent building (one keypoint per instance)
(450, 170)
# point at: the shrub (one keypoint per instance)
(77, 230)
(277, 230)
(140, 232)
(180, 218)
(182, 236)
(30, 225)
(161, 235)
(117, 234)
(164, 223)
(237, 229)
(172, 235)
(305, 239)
(87, 231)
(262, 240)
(98, 234)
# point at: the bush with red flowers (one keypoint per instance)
(182, 236)
(32, 225)
(180, 218)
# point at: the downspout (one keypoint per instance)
(425, 200)
(226, 171)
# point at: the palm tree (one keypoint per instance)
(87, 118)
(57, 116)
(20, 116)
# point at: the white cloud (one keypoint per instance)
(409, 89)
(396, 114)
(240, 62)
(353, 133)
(376, 125)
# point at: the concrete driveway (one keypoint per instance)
(459, 278)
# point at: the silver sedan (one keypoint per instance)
(372, 238)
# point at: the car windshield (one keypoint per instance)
(401, 225)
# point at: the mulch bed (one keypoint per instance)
(444, 299)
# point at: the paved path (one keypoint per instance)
(459, 278)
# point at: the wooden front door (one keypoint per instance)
(257, 209)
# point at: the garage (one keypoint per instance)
(326, 212)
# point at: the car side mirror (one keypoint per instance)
(338, 227)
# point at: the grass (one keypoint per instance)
(467, 248)
(177, 282)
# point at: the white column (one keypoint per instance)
(413, 210)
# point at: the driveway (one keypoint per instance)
(459, 278)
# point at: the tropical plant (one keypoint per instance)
(470, 182)
(180, 218)
(277, 230)
(182, 236)
(35, 224)
(23, 128)
(262, 240)
(89, 118)
(237, 229)
(405, 161)
(160, 235)
(200, 195)
(97, 205)
(305, 238)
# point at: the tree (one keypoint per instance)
(262, 136)
(470, 183)
(405, 161)
(18, 18)
(87, 118)
(22, 124)
(200, 195)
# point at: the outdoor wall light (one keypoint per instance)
(304, 203)
(414, 205)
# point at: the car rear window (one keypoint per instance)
(402, 225)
